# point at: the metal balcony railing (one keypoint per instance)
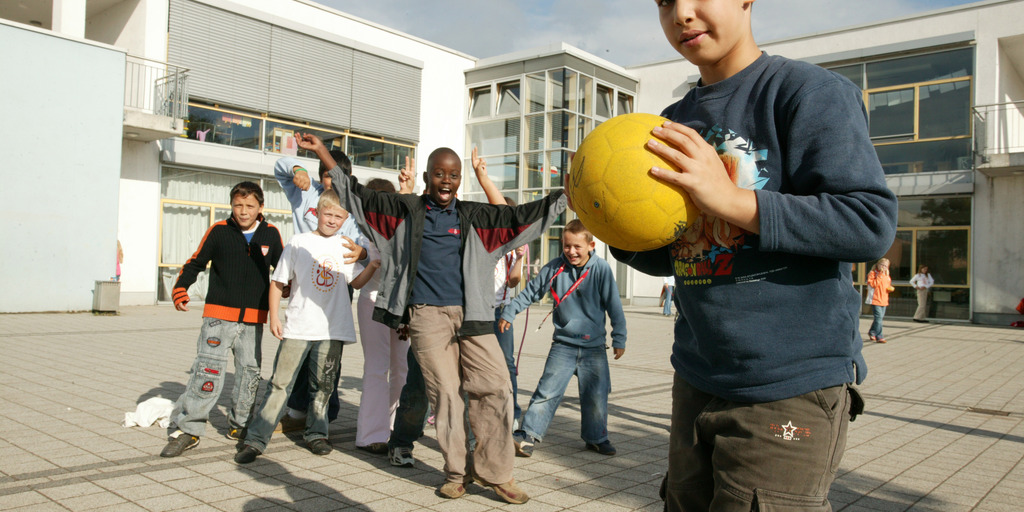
(156, 88)
(998, 129)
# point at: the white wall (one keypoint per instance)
(127, 24)
(139, 221)
(61, 145)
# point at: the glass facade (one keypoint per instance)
(919, 108)
(207, 123)
(919, 112)
(527, 128)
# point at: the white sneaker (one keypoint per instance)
(401, 456)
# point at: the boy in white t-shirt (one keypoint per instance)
(319, 322)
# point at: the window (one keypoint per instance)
(480, 102)
(535, 87)
(603, 107)
(934, 232)
(919, 109)
(508, 98)
(495, 137)
(625, 104)
(376, 153)
(210, 124)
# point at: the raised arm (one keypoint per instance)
(490, 189)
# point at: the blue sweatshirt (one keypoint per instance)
(579, 317)
(772, 316)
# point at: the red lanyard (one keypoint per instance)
(559, 300)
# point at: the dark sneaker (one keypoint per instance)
(320, 447)
(178, 443)
(401, 456)
(511, 493)
(524, 443)
(236, 434)
(375, 448)
(247, 455)
(604, 448)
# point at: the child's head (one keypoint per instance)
(577, 242)
(714, 35)
(381, 185)
(343, 162)
(329, 214)
(443, 176)
(246, 204)
(923, 269)
(882, 264)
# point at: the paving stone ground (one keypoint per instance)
(943, 429)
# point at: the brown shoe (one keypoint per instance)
(375, 448)
(511, 492)
(451, 490)
(290, 424)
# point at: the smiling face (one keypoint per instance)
(245, 210)
(576, 248)
(443, 176)
(714, 35)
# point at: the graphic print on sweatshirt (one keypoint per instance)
(325, 272)
(705, 252)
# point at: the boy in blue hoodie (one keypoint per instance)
(583, 288)
(767, 354)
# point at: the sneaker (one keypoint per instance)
(247, 455)
(401, 456)
(511, 493)
(604, 448)
(178, 443)
(524, 443)
(320, 447)
(290, 424)
(236, 434)
(451, 490)
(375, 448)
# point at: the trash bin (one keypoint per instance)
(107, 297)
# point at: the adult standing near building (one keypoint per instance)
(922, 282)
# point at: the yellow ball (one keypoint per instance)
(613, 194)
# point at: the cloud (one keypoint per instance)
(626, 32)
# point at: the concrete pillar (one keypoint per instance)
(69, 17)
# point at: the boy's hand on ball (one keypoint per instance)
(703, 175)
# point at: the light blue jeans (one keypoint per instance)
(669, 296)
(878, 313)
(324, 363)
(217, 340)
(590, 366)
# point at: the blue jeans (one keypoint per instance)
(507, 342)
(217, 340)
(878, 312)
(412, 408)
(302, 394)
(590, 366)
(324, 364)
(669, 297)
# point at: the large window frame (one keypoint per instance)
(271, 135)
(555, 109)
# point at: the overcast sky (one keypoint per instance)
(625, 32)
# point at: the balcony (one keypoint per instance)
(999, 139)
(155, 100)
